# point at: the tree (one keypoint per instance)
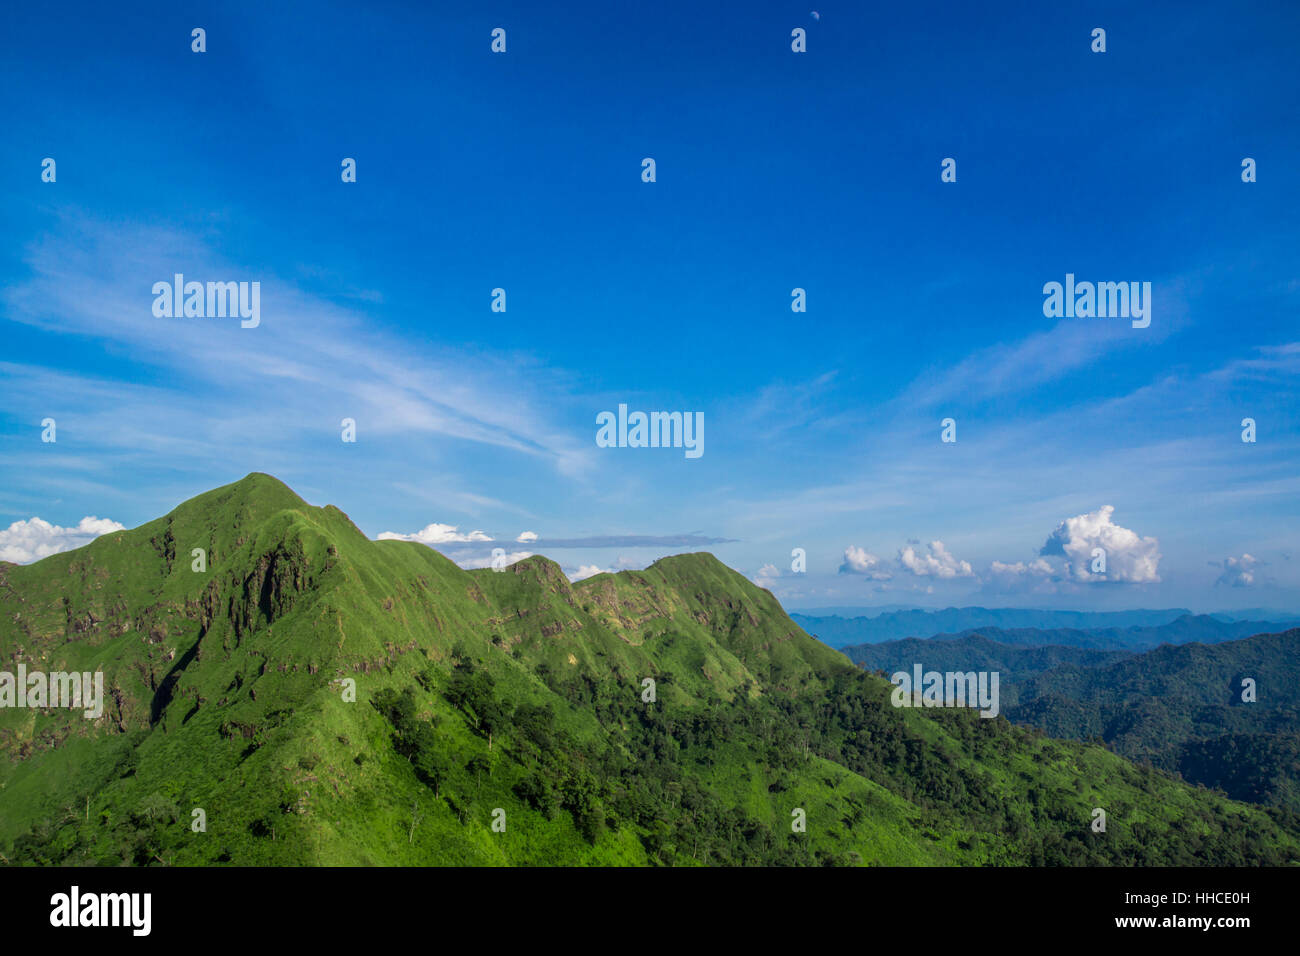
(491, 717)
(415, 820)
(478, 765)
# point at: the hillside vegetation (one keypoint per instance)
(513, 696)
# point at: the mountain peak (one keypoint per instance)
(260, 483)
(256, 494)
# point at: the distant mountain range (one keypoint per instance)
(1182, 709)
(315, 697)
(1116, 630)
(1178, 707)
(976, 651)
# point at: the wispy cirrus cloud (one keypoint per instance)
(1035, 360)
(93, 279)
(694, 540)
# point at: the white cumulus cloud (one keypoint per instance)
(861, 561)
(1036, 576)
(1129, 557)
(1238, 572)
(937, 562)
(436, 534)
(526, 537)
(1035, 568)
(26, 541)
(588, 571)
(469, 564)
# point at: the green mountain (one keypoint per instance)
(975, 652)
(1182, 709)
(1178, 708)
(502, 718)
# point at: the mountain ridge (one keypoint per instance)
(671, 716)
(1205, 628)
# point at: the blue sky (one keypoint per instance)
(775, 170)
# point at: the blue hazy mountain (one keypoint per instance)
(840, 629)
(975, 652)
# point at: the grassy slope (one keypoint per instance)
(225, 696)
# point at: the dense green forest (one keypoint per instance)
(976, 652)
(1185, 709)
(1180, 709)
